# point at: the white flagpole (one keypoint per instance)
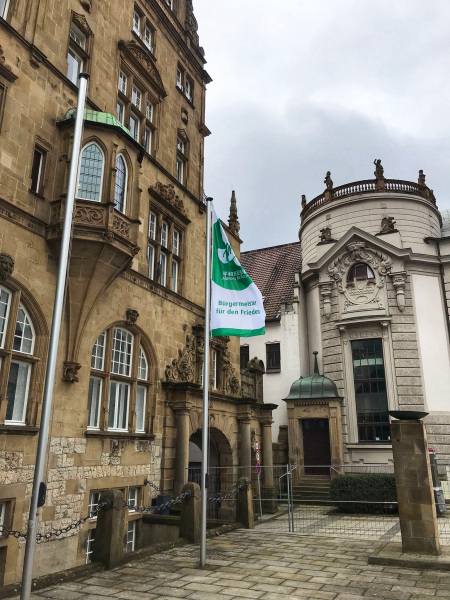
(27, 574)
(205, 446)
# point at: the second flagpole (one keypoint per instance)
(205, 425)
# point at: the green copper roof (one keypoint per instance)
(94, 116)
(314, 386)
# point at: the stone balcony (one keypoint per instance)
(103, 245)
(366, 187)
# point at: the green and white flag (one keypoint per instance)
(236, 303)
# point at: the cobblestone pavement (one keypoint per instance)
(259, 564)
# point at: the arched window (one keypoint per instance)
(121, 184)
(90, 177)
(119, 383)
(360, 272)
(17, 340)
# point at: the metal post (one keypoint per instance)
(292, 498)
(260, 501)
(288, 495)
(204, 482)
(27, 574)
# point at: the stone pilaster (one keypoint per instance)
(246, 448)
(181, 450)
(415, 496)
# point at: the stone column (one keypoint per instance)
(415, 495)
(267, 453)
(246, 448)
(190, 513)
(267, 490)
(108, 542)
(181, 450)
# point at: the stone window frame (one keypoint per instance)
(146, 121)
(184, 83)
(155, 248)
(133, 381)
(140, 31)
(244, 353)
(273, 354)
(370, 329)
(21, 298)
(82, 51)
(182, 157)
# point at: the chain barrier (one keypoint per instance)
(227, 495)
(45, 537)
(161, 507)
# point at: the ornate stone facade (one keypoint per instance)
(125, 319)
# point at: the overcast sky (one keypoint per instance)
(301, 87)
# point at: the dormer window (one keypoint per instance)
(360, 272)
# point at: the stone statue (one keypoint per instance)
(379, 171)
(421, 180)
(303, 201)
(328, 181)
(387, 224)
(325, 234)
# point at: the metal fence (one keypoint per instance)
(297, 501)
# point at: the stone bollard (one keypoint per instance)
(416, 507)
(244, 504)
(190, 513)
(108, 546)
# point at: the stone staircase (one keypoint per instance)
(312, 487)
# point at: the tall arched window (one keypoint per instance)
(17, 339)
(90, 177)
(119, 382)
(121, 184)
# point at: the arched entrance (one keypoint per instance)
(220, 468)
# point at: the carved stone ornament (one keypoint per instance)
(399, 283)
(360, 294)
(184, 116)
(188, 366)
(134, 51)
(81, 22)
(6, 266)
(70, 370)
(86, 4)
(325, 292)
(168, 193)
(421, 179)
(132, 316)
(191, 24)
(231, 383)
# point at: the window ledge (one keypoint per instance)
(19, 429)
(124, 435)
(370, 445)
(273, 370)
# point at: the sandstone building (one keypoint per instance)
(128, 391)
(373, 301)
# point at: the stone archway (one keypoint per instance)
(220, 468)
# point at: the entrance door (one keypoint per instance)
(316, 446)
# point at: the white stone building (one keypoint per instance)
(373, 301)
